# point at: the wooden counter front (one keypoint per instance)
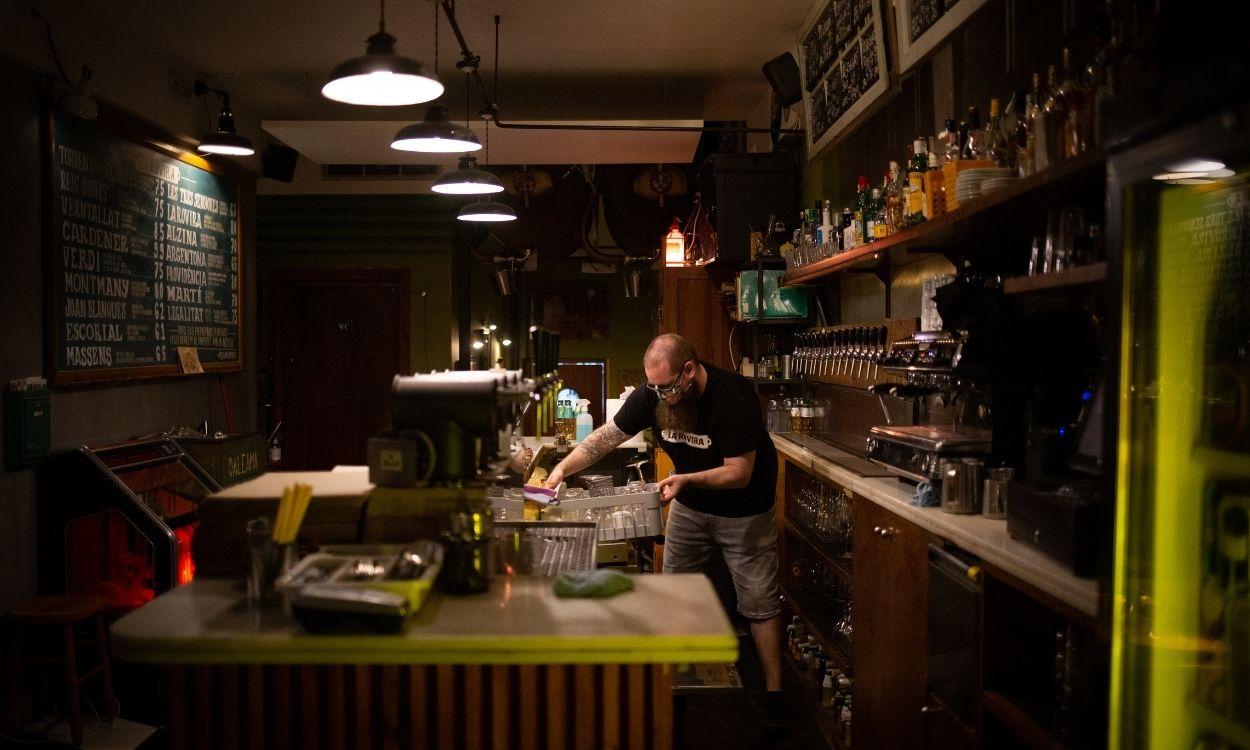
(515, 667)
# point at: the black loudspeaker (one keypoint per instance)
(278, 162)
(782, 73)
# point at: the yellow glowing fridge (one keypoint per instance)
(1179, 216)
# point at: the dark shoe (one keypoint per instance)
(776, 712)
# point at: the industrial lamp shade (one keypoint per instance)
(505, 279)
(675, 247)
(467, 179)
(487, 211)
(635, 275)
(436, 134)
(225, 140)
(381, 78)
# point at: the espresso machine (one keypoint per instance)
(946, 368)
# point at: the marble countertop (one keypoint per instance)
(984, 537)
(665, 619)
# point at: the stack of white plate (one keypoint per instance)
(994, 183)
(968, 184)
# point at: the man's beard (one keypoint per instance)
(682, 416)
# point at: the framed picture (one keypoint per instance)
(924, 24)
(575, 310)
(842, 61)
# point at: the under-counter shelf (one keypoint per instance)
(1027, 730)
(1093, 273)
(838, 650)
(820, 716)
(938, 234)
(840, 566)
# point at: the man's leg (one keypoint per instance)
(687, 540)
(767, 637)
(750, 548)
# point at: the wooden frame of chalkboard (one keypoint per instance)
(143, 254)
(922, 25)
(844, 68)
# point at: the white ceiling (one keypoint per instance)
(559, 59)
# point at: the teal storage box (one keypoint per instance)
(779, 301)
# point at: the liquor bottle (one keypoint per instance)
(994, 139)
(973, 137)
(919, 156)
(844, 229)
(1032, 123)
(1021, 138)
(1071, 95)
(826, 229)
(1038, 124)
(874, 221)
(894, 198)
(1105, 93)
(1009, 130)
(1055, 118)
(862, 199)
(950, 142)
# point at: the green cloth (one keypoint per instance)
(600, 583)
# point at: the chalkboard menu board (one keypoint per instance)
(924, 24)
(842, 60)
(144, 258)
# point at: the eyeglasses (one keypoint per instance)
(671, 388)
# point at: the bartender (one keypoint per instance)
(708, 420)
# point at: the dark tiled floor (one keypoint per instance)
(729, 722)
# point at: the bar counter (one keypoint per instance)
(515, 667)
(985, 537)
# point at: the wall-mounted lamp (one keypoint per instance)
(223, 140)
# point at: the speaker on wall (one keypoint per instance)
(278, 162)
(782, 73)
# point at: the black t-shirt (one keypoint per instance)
(729, 424)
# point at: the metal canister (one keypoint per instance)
(994, 492)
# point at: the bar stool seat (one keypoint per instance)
(63, 612)
(58, 610)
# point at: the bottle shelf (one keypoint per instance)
(809, 694)
(1093, 273)
(936, 235)
(838, 650)
(839, 565)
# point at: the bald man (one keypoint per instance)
(708, 420)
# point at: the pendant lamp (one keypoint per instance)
(467, 179)
(224, 140)
(380, 77)
(487, 211)
(436, 134)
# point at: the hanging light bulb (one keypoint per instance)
(467, 179)
(436, 134)
(675, 246)
(380, 77)
(487, 211)
(224, 140)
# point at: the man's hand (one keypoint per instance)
(672, 486)
(554, 478)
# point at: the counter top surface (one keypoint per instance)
(985, 537)
(665, 619)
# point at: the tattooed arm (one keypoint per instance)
(593, 447)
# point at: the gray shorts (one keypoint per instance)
(749, 545)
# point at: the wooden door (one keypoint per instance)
(337, 339)
(888, 611)
(692, 306)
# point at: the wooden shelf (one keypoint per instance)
(837, 649)
(1093, 273)
(779, 381)
(938, 234)
(1027, 729)
(809, 694)
(839, 566)
(772, 321)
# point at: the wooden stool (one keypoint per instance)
(63, 611)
